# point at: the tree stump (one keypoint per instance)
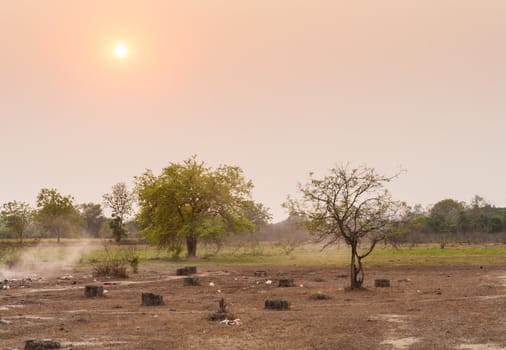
(183, 271)
(222, 313)
(150, 299)
(319, 296)
(41, 344)
(277, 304)
(286, 282)
(190, 281)
(382, 283)
(92, 291)
(260, 273)
(191, 270)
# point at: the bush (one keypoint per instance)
(175, 251)
(10, 256)
(131, 256)
(134, 264)
(289, 245)
(113, 264)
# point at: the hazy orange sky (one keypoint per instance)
(280, 88)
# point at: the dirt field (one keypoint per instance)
(424, 308)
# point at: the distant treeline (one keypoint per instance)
(453, 221)
(446, 221)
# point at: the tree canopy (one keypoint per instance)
(351, 204)
(93, 218)
(56, 213)
(120, 201)
(446, 215)
(192, 201)
(16, 216)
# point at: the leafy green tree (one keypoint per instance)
(93, 218)
(483, 216)
(56, 213)
(478, 215)
(350, 204)
(446, 215)
(413, 227)
(496, 224)
(118, 228)
(17, 216)
(120, 201)
(191, 201)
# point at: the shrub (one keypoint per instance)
(289, 245)
(113, 264)
(10, 256)
(131, 256)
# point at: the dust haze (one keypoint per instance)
(44, 261)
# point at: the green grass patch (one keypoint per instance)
(266, 254)
(432, 255)
(442, 252)
(312, 255)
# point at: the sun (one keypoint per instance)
(121, 50)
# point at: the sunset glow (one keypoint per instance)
(120, 50)
(93, 92)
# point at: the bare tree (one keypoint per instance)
(120, 201)
(348, 204)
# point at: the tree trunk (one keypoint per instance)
(58, 236)
(191, 246)
(352, 266)
(356, 273)
(286, 282)
(150, 299)
(277, 304)
(190, 281)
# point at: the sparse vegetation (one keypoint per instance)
(351, 205)
(120, 201)
(310, 254)
(10, 256)
(112, 264)
(289, 245)
(131, 255)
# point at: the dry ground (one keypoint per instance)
(426, 307)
